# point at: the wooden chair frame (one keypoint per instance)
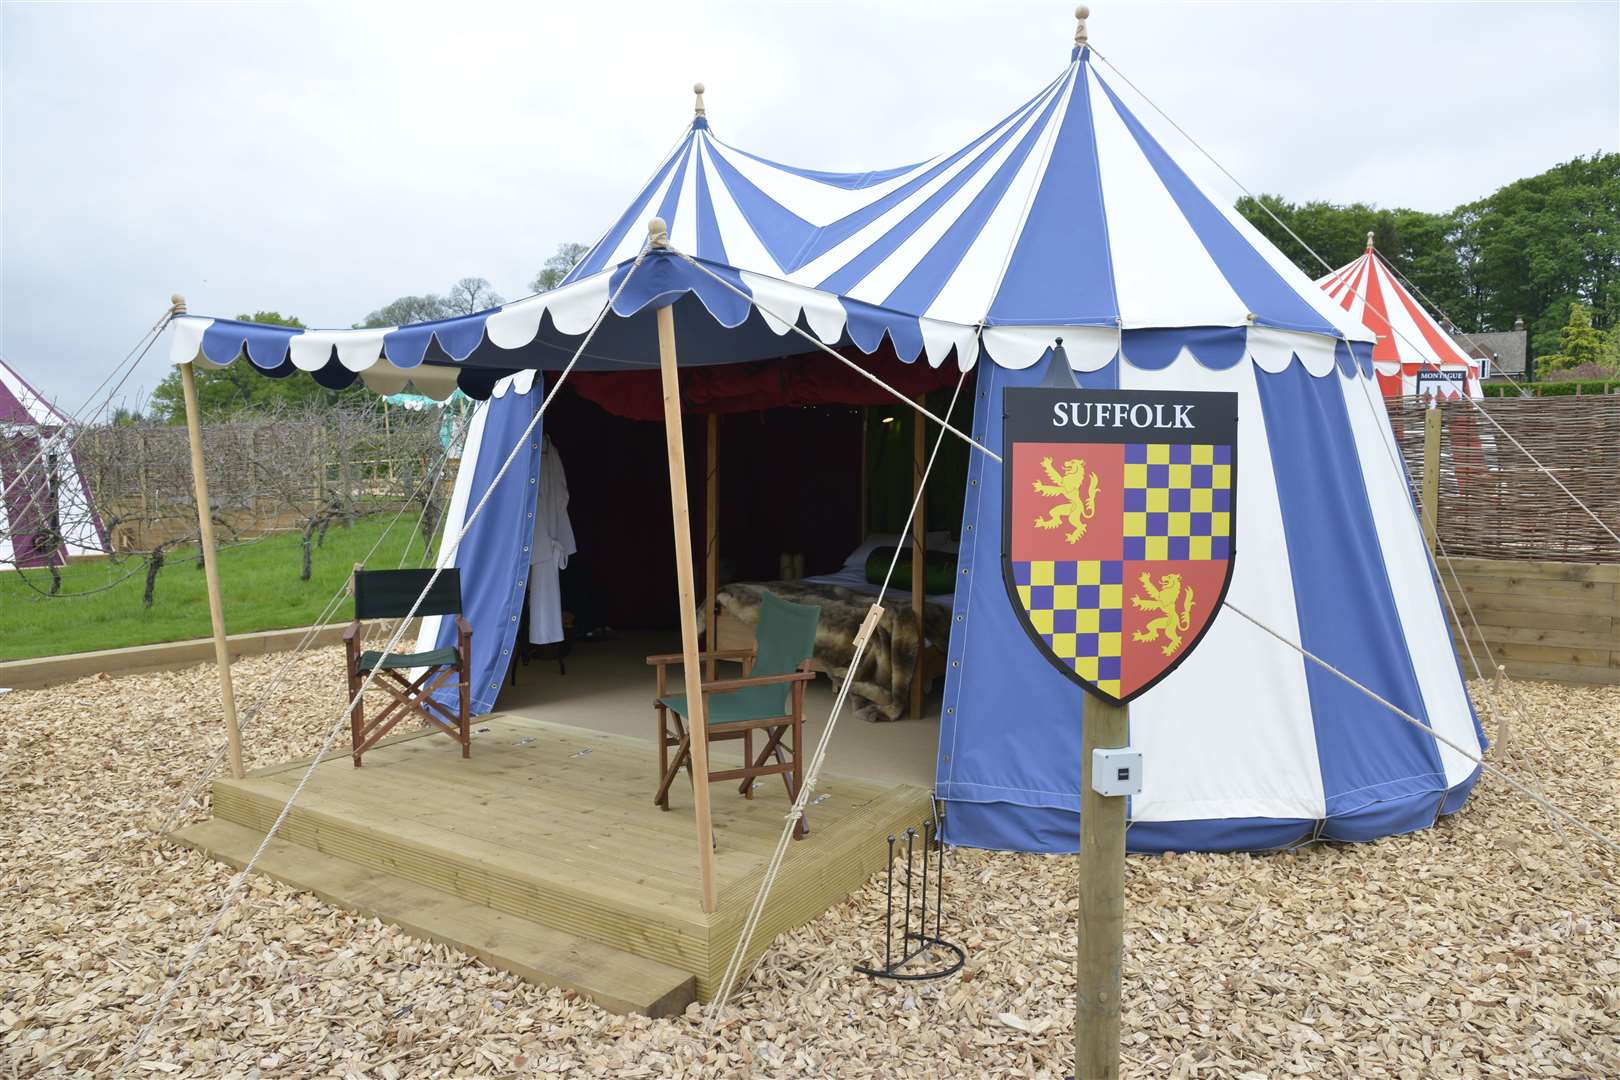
(410, 696)
(673, 731)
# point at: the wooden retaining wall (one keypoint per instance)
(1544, 620)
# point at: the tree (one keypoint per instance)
(1417, 244)
(466, 296)
(408, 309)
(1581, 347)
(1531, 248)
(556, 268)
(1539, 244)
(472, 294)
(222, 392)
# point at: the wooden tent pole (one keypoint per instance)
(695, 706)
(205, 537)
(711, 543)
(919, 549)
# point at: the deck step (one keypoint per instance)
(617, 981)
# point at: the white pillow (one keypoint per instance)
(937, 541)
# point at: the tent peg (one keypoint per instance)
(1081, 14)
(697, 108)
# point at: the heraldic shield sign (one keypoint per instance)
(1118, 527)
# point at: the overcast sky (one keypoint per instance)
(321, 160)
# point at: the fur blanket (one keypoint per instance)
(883, 682)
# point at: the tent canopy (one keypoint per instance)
(1409, 340)
(1066, 218)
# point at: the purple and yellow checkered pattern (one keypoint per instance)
(1178, 502)
(1077, 608)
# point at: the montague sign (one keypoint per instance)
(1119, 527)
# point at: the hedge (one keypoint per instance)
(1555, 388)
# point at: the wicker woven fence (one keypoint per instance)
(1494, 502)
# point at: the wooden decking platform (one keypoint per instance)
(543, 854)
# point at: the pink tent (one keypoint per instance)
(46, 513)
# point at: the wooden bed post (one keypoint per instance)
(711, 543)
(919, 549)
(697, 721)
(205, 537)
(866, 488)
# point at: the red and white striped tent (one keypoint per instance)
(1413, 354)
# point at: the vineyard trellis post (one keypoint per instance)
(1431, 475)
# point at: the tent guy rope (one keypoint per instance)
(1467, 337)
(1393, 329)
(1493, 691)
(793, 325)
(1605, 526)
(235, 888)
(138, 352)
(734, 968)
(1524, 789)
(322, 620)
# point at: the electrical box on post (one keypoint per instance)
(1116, 770)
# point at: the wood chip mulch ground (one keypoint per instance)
(1488, 946)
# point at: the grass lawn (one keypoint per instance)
(258, 581)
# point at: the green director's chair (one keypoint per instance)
(389, 594)
(769, 698)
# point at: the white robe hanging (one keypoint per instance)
(548, 554)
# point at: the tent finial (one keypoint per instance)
(1081, 14)
(697, 109)
(657, 233)
(177, 304)
(1369, 240)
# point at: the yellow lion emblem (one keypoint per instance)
(1163, 600)
(1074, 511)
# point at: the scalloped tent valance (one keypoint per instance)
(480, 371)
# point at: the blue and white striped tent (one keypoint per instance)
(1066, 219)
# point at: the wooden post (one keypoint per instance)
(205, 536)
(696, 720)
(388, 441)
(866, 482)
(140, 539)
(1431, 474)
(919, 549)
(1102, 902)
(711, 542)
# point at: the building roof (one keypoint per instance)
(1507, 349)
